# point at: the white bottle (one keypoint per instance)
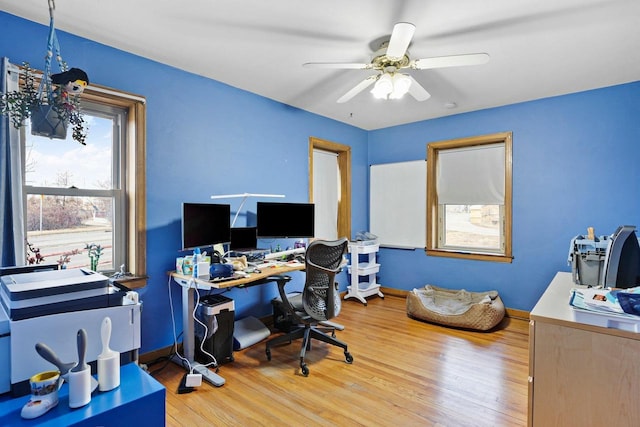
(108, 360)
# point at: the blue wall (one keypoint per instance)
(203, 138)
(575, 164)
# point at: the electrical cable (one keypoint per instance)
(214, 362)
(185, 361)
(175, 337)
(166, 359)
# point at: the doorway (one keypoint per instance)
(330, 187)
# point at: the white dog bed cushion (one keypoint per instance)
(458, 308)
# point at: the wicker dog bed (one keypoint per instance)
(457, 308)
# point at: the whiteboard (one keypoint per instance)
(398, 204)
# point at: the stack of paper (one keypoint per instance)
(599, 300)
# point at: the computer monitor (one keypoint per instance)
(205, 224)
(243, 238)
(622, 259)
(285, 220)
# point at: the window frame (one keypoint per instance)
(116, 192)
(435, 211)
(134, 185)
(131, 178)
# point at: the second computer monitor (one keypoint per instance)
(282, 220)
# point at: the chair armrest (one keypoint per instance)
(331, 294)
(282, 281)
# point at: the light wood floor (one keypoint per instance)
(405, 373)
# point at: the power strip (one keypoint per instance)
(193, 380)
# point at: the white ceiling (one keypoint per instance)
(538, 48)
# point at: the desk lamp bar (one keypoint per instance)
(244, 196)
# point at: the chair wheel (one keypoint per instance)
(348, 357)
(268, 354)
(304, 369)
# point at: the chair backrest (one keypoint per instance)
(320, 298)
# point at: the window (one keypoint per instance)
(78, 196)
(469, 198)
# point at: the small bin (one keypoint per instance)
(217, 312)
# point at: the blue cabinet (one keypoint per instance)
(139, 399)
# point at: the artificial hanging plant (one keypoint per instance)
(54, 103)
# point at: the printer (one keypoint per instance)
(49, 306)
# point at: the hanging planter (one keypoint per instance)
(45, 121)
(55, 103)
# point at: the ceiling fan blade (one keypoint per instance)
(400, 39)
(356, 90)
(450, 61)
(341, 65)
(417, 91)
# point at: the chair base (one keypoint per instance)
(307, 333)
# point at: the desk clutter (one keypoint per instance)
(606, 274)
(218, 268)
(608, 308)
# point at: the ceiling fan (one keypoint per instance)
(390, 58)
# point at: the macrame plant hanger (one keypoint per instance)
(45, 121)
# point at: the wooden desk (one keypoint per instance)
(189, 285)
(251, 280)
(579, 374)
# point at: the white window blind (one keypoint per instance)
(471, 175)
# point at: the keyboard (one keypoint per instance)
(284, 254)
(234, 276)
(269, 264)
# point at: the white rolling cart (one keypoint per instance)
(363, 265)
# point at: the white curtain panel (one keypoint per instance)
(326, 193)
(12, 246)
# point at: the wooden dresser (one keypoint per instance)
(580, 374)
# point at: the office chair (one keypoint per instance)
(319, 301)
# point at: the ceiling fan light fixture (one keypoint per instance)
(401, 85)
(383, 86)
(392, 56)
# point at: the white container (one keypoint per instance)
(365, 268)
(79, 388)
(203, 270)
(108, 360)
(623, 322)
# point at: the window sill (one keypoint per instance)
(133, 282)
(469, 255)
